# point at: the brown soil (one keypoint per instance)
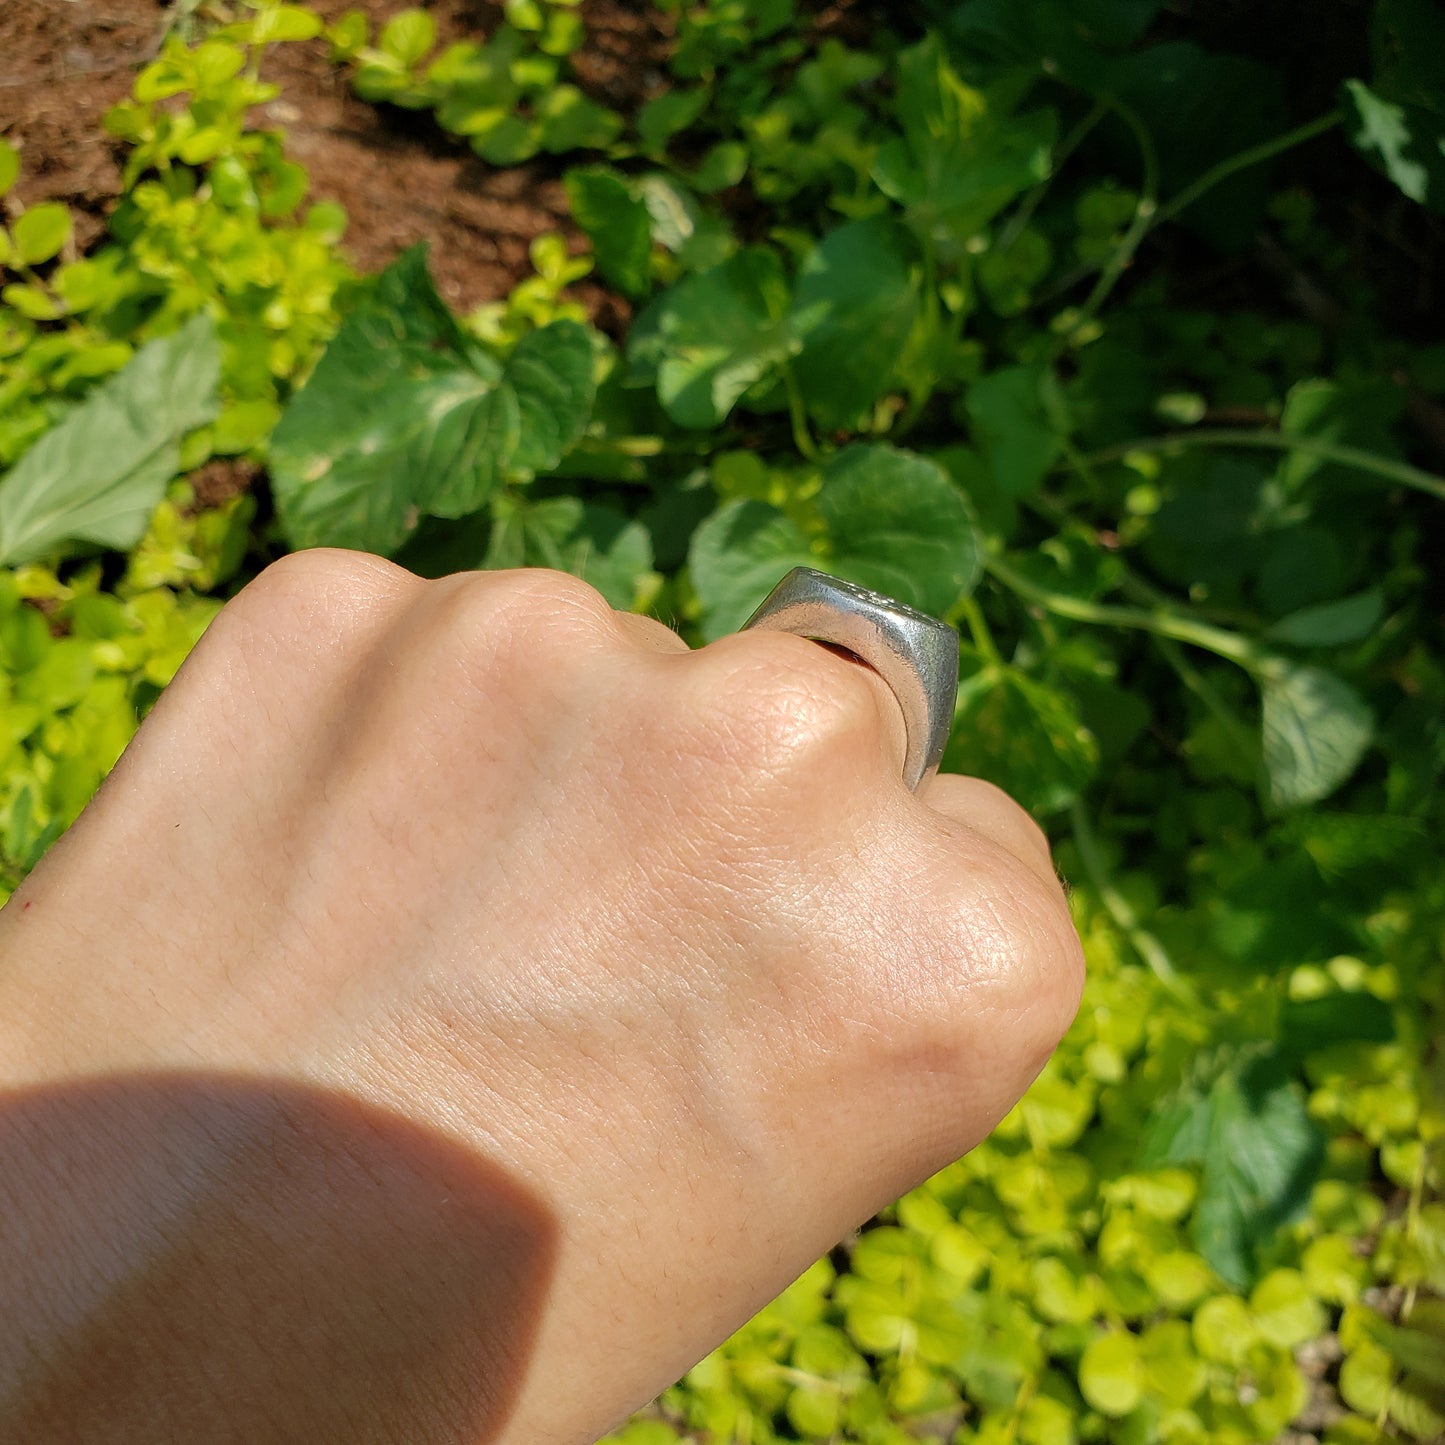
(400, 178)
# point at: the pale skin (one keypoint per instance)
(464, 1006)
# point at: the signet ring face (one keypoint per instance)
(916, 655)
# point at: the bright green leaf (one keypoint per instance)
(41, 232)
(1111, 1373)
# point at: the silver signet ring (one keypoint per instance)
(916, 655)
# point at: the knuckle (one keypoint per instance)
(782, 703)
(527, 617)
(1032, 960)
(320, 596)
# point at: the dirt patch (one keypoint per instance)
(401, 179)
(65, 62)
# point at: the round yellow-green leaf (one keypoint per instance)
(1224, 1329)
(1285, 1312)
(1179, 1278)
(1173, 1370)
(1111, 1374)
(1332, 1269)
(40, 232)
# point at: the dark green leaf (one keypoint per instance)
(854, 307)
(100, 472)
(893, 522)
(1015, 418)
(1329, 624)
(618, 225)
(1260, 1154)
(1306, 1025)
(1201, 109)
(1316, 730)
(1021, 734)
(403, 416)
(713, 336)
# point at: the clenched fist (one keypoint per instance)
(464, 1006)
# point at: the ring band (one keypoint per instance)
(916, 655)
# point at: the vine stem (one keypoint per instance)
(798, 416)
(1161, 621)
(1242, 161)
(1264, 439)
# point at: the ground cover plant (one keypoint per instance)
(1037, 316)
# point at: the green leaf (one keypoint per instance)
(1259, 1150)
(98, 474)
(285, 22)
(404, 416)
(1406, 142)
(596, 543)
(1111, 1373)
(408, 36)
(40, 232)
(1202, 108)
(854, 308)
(1330, 624)
(1021, 734)
(667, 114)
(9, 165)
(892, 522)
(896, 523)
(960, 159)
(617, 223)
(1015, 418)
(738, 556)
(710, 338)
(1316, 730)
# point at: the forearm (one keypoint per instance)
(211, 1259)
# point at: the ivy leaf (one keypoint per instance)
(617, 223)
(1259, 1150)
(1316, 730)
(709, 339)
(405, 416)
(891, 521)
(102, 470)
(854, 307)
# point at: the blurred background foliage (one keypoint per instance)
(1109, 331)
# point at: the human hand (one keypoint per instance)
(464, 1006)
